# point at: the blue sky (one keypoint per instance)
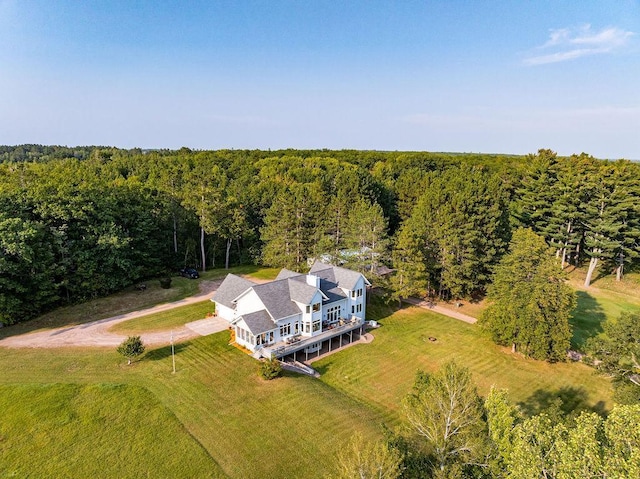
(465, 76)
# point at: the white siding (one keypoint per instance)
(249, 302)
(225, 313)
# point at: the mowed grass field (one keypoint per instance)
(96, 430)
(381, 374)
(250, 428)
(165, 319)
(246, 427)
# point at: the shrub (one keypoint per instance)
(131, 348)
(270, 369)
(165, 283)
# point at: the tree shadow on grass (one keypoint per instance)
(165, 352)
(586, 319)
(568, 400)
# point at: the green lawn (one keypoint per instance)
(98, 430)
(381, 373)
(605, 299)
(596, 304)
(166, 319)
(290, 427)
(249, 428)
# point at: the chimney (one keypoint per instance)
(313, 281)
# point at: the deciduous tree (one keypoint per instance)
(362, 459)
(444, 409)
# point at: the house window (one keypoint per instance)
(308, 309)
(316, 307)
(307, 327)
(296, 327)
(285, 330)
(353, 309)
(359, 292)
(333, 314)
(265, 338)
(353, 293)
(316, 326)
(359, 308)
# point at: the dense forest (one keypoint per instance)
(77, 223)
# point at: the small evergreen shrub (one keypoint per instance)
(270, 369)
(131, 348)
(165, 283)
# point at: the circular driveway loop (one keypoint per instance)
(96, 333)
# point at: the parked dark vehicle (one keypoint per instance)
(189, 273)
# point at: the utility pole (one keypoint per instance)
(173, 353)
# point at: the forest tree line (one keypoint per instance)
(77, 223)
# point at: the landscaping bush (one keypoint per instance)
(270, 369)
(131, 348)
(165, 283)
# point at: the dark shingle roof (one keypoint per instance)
(279, 297)
(331, 290)
(286, 273)
(345, 278)
(276, 298)
(230, 289)
(301, 291)
(258, 322)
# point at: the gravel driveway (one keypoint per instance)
(96, 333)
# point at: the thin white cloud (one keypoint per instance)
(568, 44)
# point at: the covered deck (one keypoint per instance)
(328, 340)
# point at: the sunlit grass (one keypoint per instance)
(382, 372)
(289, 427)
(99, 430)
(166, 319)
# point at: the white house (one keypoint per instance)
(295, 312)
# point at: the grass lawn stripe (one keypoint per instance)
(64, 430)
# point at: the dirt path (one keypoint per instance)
(97, 334)
(440, 310)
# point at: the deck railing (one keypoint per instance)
(280, 350)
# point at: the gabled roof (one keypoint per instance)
(286, 273)
(276, 298)
(232, 287)
(279, 297)
(258, 322)
(301, 291)
(344, 278)
(331, 291)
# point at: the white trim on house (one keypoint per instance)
(294, 307)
